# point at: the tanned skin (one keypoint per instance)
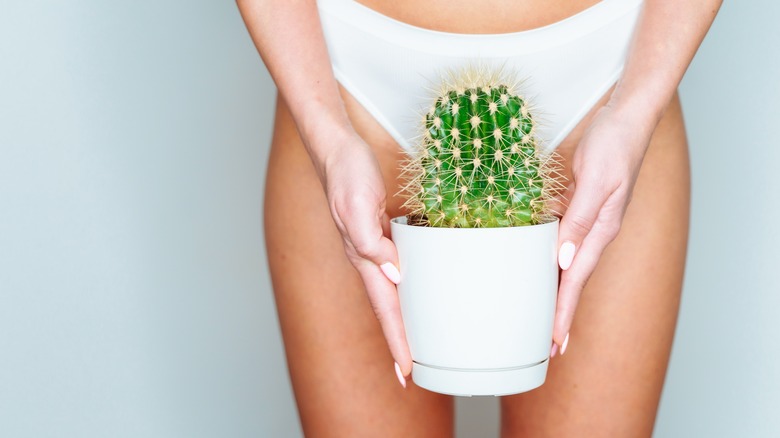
(332, 171)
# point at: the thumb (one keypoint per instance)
(386, 225)
(576, 225)
(370, 240)
(578, 220)
(388, 259)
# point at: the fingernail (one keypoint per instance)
(399, 375)
(565, 256)
(565, 343)
(391, 272)
(554, 349)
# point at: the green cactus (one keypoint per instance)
(478, 162)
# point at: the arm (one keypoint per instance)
(288, 35)
(607, 160)
(668, 35)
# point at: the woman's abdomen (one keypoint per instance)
(479, 17)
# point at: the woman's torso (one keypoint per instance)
(455, 16)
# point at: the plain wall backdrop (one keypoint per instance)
(134, 296)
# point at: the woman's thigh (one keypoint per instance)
(610, 379)
(339, 363)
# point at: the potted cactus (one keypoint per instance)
(477, 249)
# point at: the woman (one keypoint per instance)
(334, 268)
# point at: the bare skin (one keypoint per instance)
(337, 319)
(608, 383)
(340, 367)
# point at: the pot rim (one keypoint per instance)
(400, 221)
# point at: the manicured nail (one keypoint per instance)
(400, 375)
(565, 256)
(565, 343)
(391, 272)
(554, 349)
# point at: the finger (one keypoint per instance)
(366, 234)
(384, 301)
(574, 279)
(386, 225)
(578, 221)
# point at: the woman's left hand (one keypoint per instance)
(604, 168)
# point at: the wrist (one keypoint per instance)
(640, 107)
(324, 133)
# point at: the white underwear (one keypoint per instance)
(389, 66)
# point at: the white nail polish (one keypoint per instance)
(566, 255)
(400, 375)
(565, 343)
(391, 272)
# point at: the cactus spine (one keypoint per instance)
(478, 162)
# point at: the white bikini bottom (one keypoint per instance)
(389, 66)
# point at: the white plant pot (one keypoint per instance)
(478, 305)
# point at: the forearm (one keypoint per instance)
(288, 35)
(667, 37)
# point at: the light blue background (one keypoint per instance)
(134, 297)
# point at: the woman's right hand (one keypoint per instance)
(357, 199)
